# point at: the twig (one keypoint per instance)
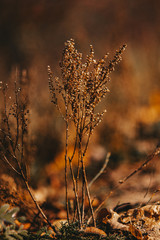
(84, 178)
(101, 170)
(38, 206)
(13, 168)
(155, 191)
(144, 164)
(66, 158)
(17, 116)
(20, 172)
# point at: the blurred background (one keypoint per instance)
(32, 36)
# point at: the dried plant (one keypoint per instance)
(13, 133)
(81, 88)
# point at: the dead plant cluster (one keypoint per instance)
(76, 95)
(13, 135)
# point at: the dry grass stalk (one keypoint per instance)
(82, 87)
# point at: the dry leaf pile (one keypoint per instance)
(142, 222)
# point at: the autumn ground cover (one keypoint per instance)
(129, 131)
(82, 88)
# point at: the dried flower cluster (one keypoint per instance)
(82, 87)
(14, 121)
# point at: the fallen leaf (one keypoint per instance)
(135, 232)
(103, 215)
(26, 226)
(94, 230)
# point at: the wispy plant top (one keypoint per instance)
(83, 85)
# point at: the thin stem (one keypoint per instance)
(38, 206)
(83, 199)
(75, 145)
(89, 135)
(17, 116)
(88, 194)
(66, 158)
(21, 173)
(22, 133)
(13, 168)
(78, 164)
(73, 177)
(83, 180)
(101, 170)
(6, 118)
(77, 132)
(76, 193)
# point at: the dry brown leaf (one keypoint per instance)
(110, 217)
(26, 226)
(114, 222)
(135, 232)
(94, 230)
(103, 215)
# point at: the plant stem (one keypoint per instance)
(66, 158)
(88, 194)
(101, 170)
(76, 194)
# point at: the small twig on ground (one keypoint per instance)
(144, 164)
